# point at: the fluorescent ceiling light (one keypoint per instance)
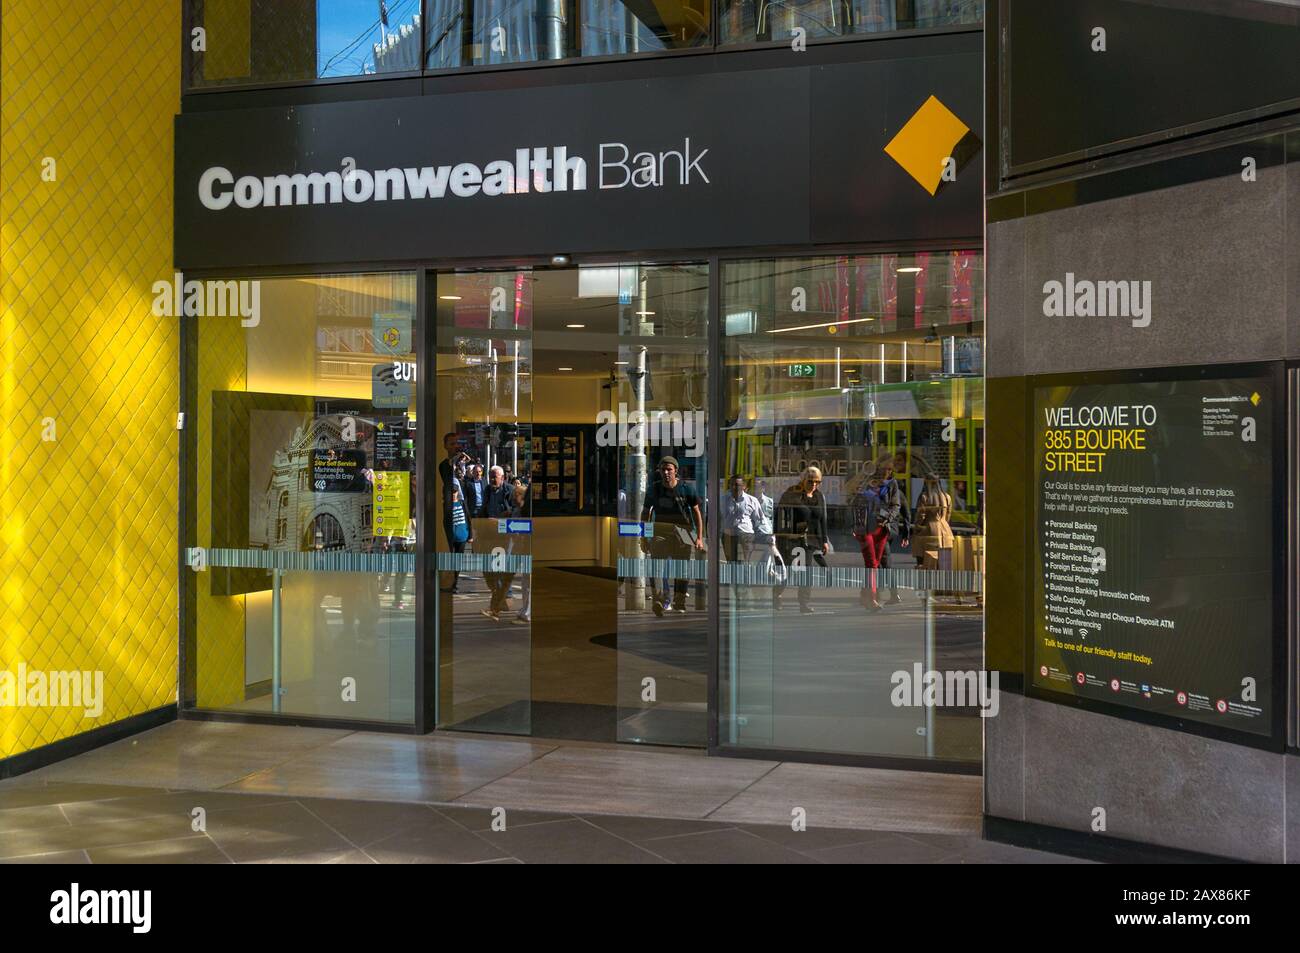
(826, 324)
(908, 271)
(449, 297)
(645, 313)
(597, 282)
(575, 325)
(564, 368)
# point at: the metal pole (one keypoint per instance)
(637, 461)
(929, 667)
(554, 23)
(492, 401)
(514, 409)
(277, 674)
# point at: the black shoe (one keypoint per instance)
(807, 609)
(453, 591)
(895, 599)
(658, 608)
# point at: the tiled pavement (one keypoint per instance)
(306, 795)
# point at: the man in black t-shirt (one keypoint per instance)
(674, 508)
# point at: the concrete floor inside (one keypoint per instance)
(307, 795)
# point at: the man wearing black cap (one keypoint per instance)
(674, 508)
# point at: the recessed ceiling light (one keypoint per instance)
(575, 325)
(449, 297)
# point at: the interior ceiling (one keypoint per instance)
(592, 350)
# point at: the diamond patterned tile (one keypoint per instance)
(88, 545)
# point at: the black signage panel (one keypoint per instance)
(1156, 547)
(674, 162)
(338, 471)
(787, 157)
(1088, 77)
(933, 107)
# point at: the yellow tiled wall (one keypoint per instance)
(88, 538)
(222, 365)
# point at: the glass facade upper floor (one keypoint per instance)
(256, 42)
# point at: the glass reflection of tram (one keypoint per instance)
(923, 426)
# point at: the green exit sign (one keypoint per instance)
(803, 370)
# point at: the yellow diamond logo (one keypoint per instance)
(926, 143)
(1255, 398)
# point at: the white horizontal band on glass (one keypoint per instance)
(323, 561)
(484, 562)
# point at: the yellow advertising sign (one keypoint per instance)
(392, 499)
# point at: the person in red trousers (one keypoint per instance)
(876, 509)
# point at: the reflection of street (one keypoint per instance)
(673, 650)
(823, 681)
(579, 668)
(820, 681)
(485, 663)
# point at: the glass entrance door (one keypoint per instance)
(578, 608)
(484, 526)
(657, 419)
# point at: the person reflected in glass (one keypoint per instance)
(460, 531)
(519, 508)
(674, 508)
(801, 534)
(933, 525)
(765, 550)
(741, 515)
(767, 507)
(451, 472)
(499, 505)
(875, 518)
(476, 492)
(900, 527)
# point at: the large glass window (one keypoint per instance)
(267, 41)
(757, 21)
(852, 502)
(303, 496)
(236, 42)
(479, 32)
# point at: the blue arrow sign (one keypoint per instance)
(631, 529)
(519, 526)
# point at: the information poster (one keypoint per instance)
(337, 471)
(392, 502)
(1154, 557)
(394, 444)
